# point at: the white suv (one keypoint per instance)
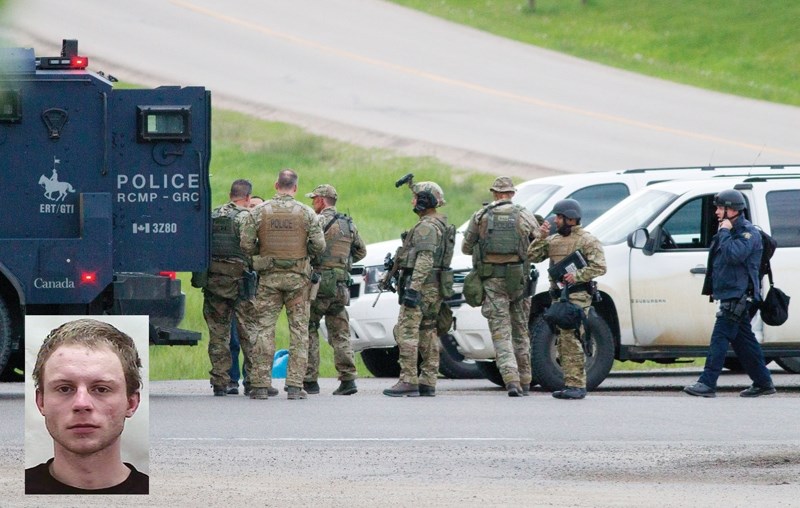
(656, 247)
(372, 323)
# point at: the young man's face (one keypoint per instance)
(83, 399)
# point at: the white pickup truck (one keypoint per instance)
(372, 323)
(656, 247)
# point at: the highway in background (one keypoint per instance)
(377, 74)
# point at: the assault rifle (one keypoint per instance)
(390, 277)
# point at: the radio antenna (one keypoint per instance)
(757, 156)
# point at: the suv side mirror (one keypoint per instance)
(638, 238)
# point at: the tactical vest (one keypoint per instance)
(442, 251)
(225, 235)
(339, 239)
(562, 246)
(282, 233)
(498, 234)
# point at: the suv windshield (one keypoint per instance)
(634, 212)
(534, 196)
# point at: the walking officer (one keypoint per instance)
(732, 278)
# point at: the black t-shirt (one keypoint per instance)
(38, 480)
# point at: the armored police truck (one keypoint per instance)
(106, 196)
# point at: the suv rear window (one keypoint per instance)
(783, 208)
(597, 199)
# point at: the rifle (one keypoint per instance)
(390, 277)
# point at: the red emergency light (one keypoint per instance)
(171, 275)
(78, 62)
(89, 277)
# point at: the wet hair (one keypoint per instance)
(92, 334)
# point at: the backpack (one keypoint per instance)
(769, 245)
(775, 306)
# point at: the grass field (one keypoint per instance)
(742, 47)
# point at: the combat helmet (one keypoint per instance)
(431, 187)
(569, 208)
(730, 198)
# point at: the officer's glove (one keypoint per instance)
(411, 298)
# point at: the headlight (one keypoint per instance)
(372, 275)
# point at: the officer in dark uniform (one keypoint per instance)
(732, 278)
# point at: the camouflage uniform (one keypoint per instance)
(222, 299)
(420, 260)
(282, 234)
(497, 237)
(557, 247)
(343, 245)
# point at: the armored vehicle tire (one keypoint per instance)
(789, 364)
(382, 362)
(5, 342)
(452, 364)
(490, 371)
(544, 354)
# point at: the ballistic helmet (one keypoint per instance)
(730, 198)
(431, 187)
(569, 208)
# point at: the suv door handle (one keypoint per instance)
(698, 269)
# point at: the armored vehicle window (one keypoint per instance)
(10, 106)
(164, 123)
(784, 209)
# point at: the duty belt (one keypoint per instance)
(500, 269)
(555, 292)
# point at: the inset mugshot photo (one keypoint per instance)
(86, 405)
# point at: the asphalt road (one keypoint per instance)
(637, 437)
(374, 73)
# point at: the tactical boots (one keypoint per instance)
(311, 387)
(427, 391)
(526, 389)
(402, 389)
(259, 393)
(514, 390)
(347, 387)
(570, 393)
(295, 393)
(233, 388)
(272, 392)
(220, 391)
